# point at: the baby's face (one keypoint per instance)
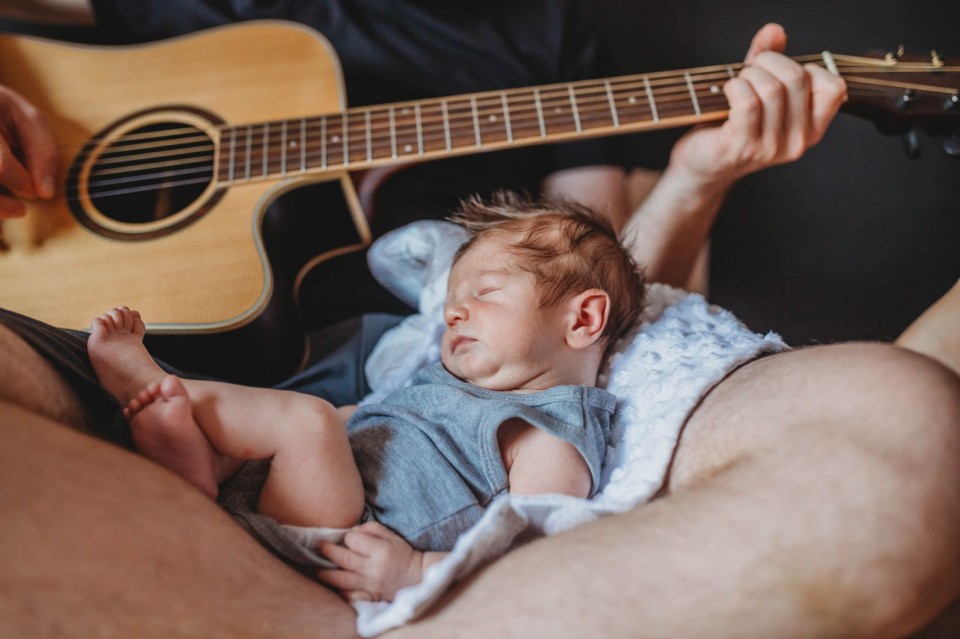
(497, 337)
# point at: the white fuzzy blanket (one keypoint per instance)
(659, 372)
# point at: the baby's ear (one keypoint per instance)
(588, 317)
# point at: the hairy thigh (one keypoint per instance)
(879, 399)
(30, 381)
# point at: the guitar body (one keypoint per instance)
(211, 274)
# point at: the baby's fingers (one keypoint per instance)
(340, 579)
(343, 557)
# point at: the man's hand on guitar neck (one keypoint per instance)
(778, 110)
(28, 155)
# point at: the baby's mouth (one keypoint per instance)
(459, 341)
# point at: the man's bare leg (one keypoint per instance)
(813, 494)
(28, 380)
(99, 542)
(936, 333)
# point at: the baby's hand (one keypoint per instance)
(374, 563)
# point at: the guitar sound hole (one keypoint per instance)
(151, 173)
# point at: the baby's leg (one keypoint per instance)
(164, 431)
(313, 479)
(156, 404)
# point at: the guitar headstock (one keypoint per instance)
(905, 93)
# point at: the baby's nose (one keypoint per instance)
(453, 313)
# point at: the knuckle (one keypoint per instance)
(794, 76)
(770, 90)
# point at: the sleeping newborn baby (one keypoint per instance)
(535, 298)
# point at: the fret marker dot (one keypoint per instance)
(557, 110)
(293, 144)
(632, 99)
(714, 89)
(493, 118)
(335, 139)
(407, 148)
(405, 111)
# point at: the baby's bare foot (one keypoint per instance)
(116, 350)
(164, 430)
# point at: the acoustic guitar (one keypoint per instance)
(172, 152)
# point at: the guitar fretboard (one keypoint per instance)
(384, 134)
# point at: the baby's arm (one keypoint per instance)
(539, 463)
(375, 563)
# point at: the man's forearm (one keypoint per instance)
(672, 225)
(63, 12)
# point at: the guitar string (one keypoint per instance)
(487, 106)
(166, 182)
(468, 130)
(668, 78)
(166, 175)
(271, 159)
(426, 125)
(519, 115)
(458, 130)
(380, 115)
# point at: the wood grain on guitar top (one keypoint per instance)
(211, 274)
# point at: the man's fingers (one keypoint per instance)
(746, 109)
(771, 37)
(11, 207)
(828, 92)
(794, 83)
(13, 175)
(39, 149)
(772, 95)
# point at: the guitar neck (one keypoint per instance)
(361, 138)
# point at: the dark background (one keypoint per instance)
(854, 240)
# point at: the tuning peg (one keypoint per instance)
(906, 98)
(951, 145)
(911, 143)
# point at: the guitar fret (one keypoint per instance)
(366, 119)
(303, 145)
(476, 120)
(393, 134)
(345, 134)
(416, 110)
(613, 105)
(408, 135)
(506, 117)
(265, 152)
(283, 148)
(693, 93)
(653, 103)
(446, 124)
(249, 149)
(323, 142)
(543, 125)
(574, 109)
(233, 145)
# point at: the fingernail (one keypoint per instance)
(46, 186)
